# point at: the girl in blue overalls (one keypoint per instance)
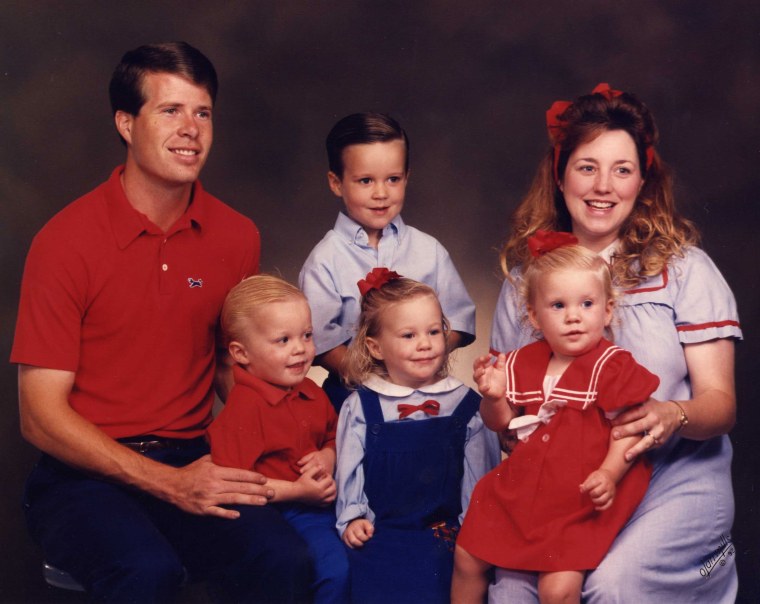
(411, 446)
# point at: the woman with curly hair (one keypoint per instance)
(603, 180)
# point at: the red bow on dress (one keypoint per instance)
(376, 278)
(429, 407)
(542, 242)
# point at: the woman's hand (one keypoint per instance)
(711, 411)
(656, 420)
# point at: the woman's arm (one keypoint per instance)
(711, 411)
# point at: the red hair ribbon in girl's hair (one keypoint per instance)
(545, 241)
(376, 278)
(557, 129)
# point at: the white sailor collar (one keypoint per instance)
(381, 386)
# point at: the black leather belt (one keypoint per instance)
(149, 442)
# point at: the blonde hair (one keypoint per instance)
(652, 234)
(358, 363)
(567, 257)
(247, 297)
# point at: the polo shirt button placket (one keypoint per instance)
(164, 285)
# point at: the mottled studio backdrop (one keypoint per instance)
(470, 81)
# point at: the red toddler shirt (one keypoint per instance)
(268, 429)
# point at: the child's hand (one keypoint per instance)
(324, 458)
(601, 488)
(316, 486)
(491, 379)
(358, 532)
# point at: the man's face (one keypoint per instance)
(168, 141)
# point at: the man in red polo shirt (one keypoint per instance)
(115, 344)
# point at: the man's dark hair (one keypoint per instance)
(179, 58)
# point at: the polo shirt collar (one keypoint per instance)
(269, 393)
(128, 224)
(352, 231)
(382, 386)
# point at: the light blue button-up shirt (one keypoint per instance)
(330, 275)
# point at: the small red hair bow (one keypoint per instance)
(604, 89)
(376, 278)
(429, 407)
(542, 242)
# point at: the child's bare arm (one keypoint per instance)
(600, 484)
(491, 381)
(314, 487)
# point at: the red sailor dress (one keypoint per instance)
(528, 513)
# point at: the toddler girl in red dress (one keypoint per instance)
(555, 505)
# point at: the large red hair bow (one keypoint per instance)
(557, 129)
(542, 242)
(376, 278)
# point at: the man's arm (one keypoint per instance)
(50, 424)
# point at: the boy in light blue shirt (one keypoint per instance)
(368, 155)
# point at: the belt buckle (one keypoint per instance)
(144, 446)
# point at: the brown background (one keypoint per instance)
(469, 81)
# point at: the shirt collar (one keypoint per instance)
(352, 231)
(271, 394)
(382, 386)
(128, 224)
(607, 252)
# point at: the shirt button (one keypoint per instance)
(164, 267)
(545, 438)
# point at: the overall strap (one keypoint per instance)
(373, 414)
(468, 406)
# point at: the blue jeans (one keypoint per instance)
(317, 527)
(124, 545)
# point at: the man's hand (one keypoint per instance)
(203, 487)
(358, 532)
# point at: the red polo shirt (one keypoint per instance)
(268, 429)
(133, 310)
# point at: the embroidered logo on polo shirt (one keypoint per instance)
(194, 282)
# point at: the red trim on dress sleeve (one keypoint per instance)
(728, 323)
